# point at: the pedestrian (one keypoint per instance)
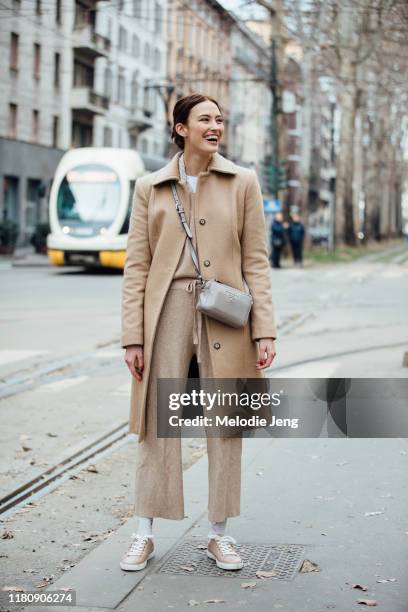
(296, 234)
(278, 239)
(162, 330)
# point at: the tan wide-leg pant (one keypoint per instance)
(159, 475)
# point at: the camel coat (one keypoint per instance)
(231, 243)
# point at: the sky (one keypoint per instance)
(245, 9)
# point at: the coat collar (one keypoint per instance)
(170, 171)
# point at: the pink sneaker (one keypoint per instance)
(139, 552)
(221, 550)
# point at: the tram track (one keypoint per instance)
(55, 475)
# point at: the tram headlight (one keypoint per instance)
(103, 230)
(66, 229)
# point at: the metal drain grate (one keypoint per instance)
(284, 559)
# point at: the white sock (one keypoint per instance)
(217, 528)
(145, 526)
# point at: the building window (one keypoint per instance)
(34, 129)
(134, 90)
(55, 131)
(58, 12)
(37, 61)
(57, 62)
(38, 7)
(146, 56)
(14, 51)
(82, 134)
(107, 136)
(144, 145)
(121, 89)
(137, 8)
(122, 38)
(135, 46)
(12, 126)
(83, 74)
(157, 60)
(157, 18)
(108, 82)
(180, 26)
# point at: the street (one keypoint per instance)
(65, 389)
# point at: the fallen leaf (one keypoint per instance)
(92, 468)
(248, 585)
(214, 601)
(359, 586)
(47, 581)
(388, 580)
(309, 566)
(193, 602)
(367, 602)
(52, 435)
(188, 568)
(202, 546)
(265, 574)
(7, 535)
(375, 513)
(26, 448)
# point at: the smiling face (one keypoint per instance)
(204, 128)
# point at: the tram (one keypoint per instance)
(90, 205)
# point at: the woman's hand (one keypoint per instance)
(134, 360)
(266, 352)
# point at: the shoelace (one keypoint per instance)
(138, 544)
(225, 547)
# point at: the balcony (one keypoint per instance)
(89, 43)
(84, 99)
(138, 122)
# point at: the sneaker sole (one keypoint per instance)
(132, 567)
(226, 566)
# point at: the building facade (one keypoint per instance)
(75, 73)
(199, 54)
(250, 94)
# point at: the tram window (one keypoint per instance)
(125, 227)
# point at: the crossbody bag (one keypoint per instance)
(215, 299)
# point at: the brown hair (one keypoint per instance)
(182, 110)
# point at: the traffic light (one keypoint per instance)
(276, 177)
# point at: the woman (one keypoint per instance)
(162, 330)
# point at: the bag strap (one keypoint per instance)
(182, 215)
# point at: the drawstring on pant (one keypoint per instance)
(197, 327)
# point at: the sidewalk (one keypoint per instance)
(308, 496)
(24, 257)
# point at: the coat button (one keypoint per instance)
(217, 345)
(202, 221)
(206, 262)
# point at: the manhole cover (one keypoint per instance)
(191, 560)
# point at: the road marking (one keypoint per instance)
(59, 385)
(11, 356)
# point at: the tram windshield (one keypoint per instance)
(88, 198)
